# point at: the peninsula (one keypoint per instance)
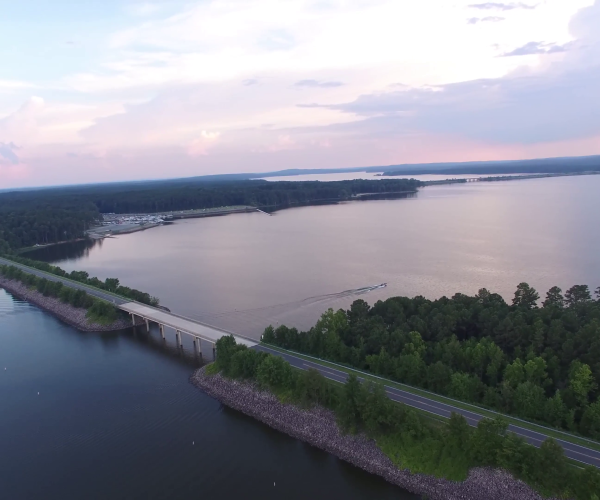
(358, 423)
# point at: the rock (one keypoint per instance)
(73, 316)
(318, 427)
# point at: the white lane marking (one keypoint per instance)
(403, 394)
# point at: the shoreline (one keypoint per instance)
(73, 316)
(318, 427)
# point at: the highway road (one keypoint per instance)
(576, 452)
(582, 454)
(73, 284)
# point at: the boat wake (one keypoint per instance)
(275, 313)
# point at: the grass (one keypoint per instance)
(420, 454)
(571, 438)
(212, 369)
(427, 456)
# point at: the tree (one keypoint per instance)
(554, 298)
(515, 455)
(551, 466)
(581, 382)
(438, 377)
(487, 440)
(529, 400)
(312, 388)
(535, 371)
(244, 362)
(226, 348)
(465, 387)
(349, 407)
(577, 294)
(525, 296)
(590, 422)
(111, 284)
(377, 410)
(514, 373)
(275, 372)
(539, 335)
(268, 335)
(555, 410)
(459, 431)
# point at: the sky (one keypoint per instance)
(118, 90)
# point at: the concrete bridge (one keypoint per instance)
(182, 325)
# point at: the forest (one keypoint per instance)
(409, 438)
(540, 362)
(536, 166)
(110, 284)
(98, 311)
(53, 215)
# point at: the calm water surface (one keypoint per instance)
(245, 271)
(116, 417)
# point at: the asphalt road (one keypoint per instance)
(79, 286)
(576, 452)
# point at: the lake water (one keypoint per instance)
(245, 271)
(116, 417)
(99, 416)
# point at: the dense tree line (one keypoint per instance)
(25, 228)
(98, 311)
(406, 436)
(540, 363)
(252, 193)
(60, 214)
(110, 284)
(536, 166)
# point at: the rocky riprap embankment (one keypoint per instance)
(318, 427)
(74, 316)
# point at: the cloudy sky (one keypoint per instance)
(119, 89)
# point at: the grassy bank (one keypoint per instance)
(548, 431)
(99, 311)
(404, 435)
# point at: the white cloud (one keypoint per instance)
(202, 144)
(212, 82)
(419, 42)
(21, 127)
(9, 85)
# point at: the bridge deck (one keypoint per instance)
(184, 325)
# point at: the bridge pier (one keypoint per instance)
(198, 346)
(147, 325)
(162, 331)
(178, 335)
(133, 319)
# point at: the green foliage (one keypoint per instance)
(525, 296)
(409, 439)
(578, 294)
(581, 382)
(111, 284)
(275, 373)
(98, 311)
(53, 215)
(102, 313)
(313, 388)
(540, 363)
